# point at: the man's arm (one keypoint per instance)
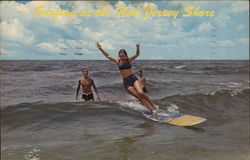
(96, 91)
(78, 88)
(144, 79)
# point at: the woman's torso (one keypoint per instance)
(125, 68)
(125, 73)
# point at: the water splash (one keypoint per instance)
(33, 155)
(173, 108)
(133, 105)
(180, 67)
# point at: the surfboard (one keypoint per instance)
(176, 119)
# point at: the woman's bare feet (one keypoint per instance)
(153, 111)
(156, 106)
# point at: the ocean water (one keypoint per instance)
(41, 120)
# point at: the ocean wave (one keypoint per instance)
(210, 103)
(180, 67)
(155, 68)
(29, 113)
(199, 103)
(33, 154)
(221, 93)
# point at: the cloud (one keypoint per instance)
(177, 25)
(85, 46)
(15, 31)
(6, 52)
(96, 36)
(244, 41)
(78, 5)
(114, 29)
(205, 27)
(240, 27)
(24, 33)
(239, 7)
(197, 40)
(181, 4)
(225, 43)
(107, 45)
(3, 51)
(222, 19)
(59, 22)
(48, 47)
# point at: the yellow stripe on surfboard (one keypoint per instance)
(185, 120)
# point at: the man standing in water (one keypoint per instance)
(86, 84)
(142, 81)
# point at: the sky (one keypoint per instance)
(24, 36)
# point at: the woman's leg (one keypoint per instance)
(133, 92)
(143, 95)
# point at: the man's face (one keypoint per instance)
(139, 73)
(85, 72)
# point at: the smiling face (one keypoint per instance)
(85, 72)
(123, 54)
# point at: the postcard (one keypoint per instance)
(127, 80)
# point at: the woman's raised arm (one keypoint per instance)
(136, 54)
(105, 53)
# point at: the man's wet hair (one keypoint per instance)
(141, 71)
(85, 69)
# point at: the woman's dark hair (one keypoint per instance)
(123, 51)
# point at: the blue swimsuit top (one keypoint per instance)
(123, 66)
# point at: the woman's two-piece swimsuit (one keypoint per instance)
(130, 80)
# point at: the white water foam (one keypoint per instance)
(234, 84)
(235, 92)
(179, 67)
(173, 108)
(231, 84)
(33, 155)
(133, 105)
(212, 93)
(139, 107)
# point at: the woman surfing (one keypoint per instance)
(130, 81)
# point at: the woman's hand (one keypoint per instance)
(105, 53)
(137, 46)
(136, 54)
(98, 45)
